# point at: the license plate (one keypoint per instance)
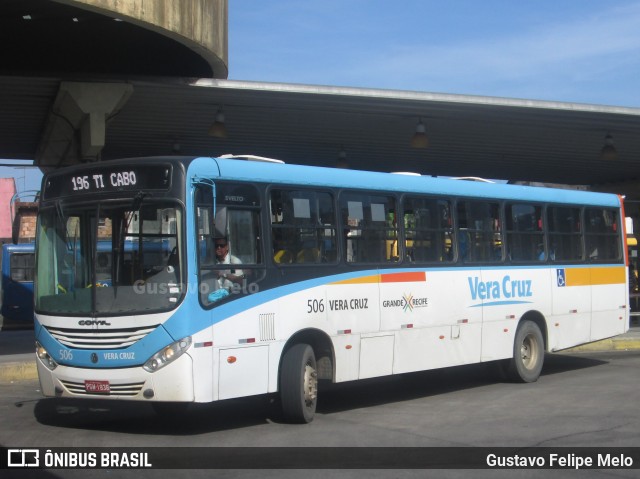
(97, 387)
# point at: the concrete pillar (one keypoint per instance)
(76, 126)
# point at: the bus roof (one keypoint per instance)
(318, 176)
(342, 178)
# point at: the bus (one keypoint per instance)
(258, 277)
(17, 284)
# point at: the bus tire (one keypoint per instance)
(299, 384)
(528, 354)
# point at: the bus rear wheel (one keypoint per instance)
(299, 384)
(528, 354)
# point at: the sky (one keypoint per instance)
(583, 51)
(578, 51)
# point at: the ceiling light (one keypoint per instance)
(420, 139)
(342, 160)
(218, 129)
(608, 151)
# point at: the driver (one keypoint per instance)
(227, 277)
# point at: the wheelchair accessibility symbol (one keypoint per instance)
(561, 278)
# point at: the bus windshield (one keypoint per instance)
(109, 259)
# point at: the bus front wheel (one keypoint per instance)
(528, 354)
(299, 384)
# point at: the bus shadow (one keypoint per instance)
(556, 363)
(379, 391)
(140, 418)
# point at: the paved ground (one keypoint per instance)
(582, 400)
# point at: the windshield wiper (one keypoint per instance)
(119, 249)
(63, 223)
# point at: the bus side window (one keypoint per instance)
(229, 246)
(242, 232)
(480, 221)
(525, 238)
(603, 234)
(565, 233)
(22, 266)
(370, 228)
(428, 229)
(303, 227)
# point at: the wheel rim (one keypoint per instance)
(310, 385)
(529, 351)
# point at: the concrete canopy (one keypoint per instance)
(468, 136)
(163, 108)
(81, 38)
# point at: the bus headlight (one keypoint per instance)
(167, 354)
(45, 357)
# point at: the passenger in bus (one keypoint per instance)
(227, 277)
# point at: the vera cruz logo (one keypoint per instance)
(504, 291)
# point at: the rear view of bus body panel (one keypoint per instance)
(589, 304)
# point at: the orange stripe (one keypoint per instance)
(578, 276)
(409, 277)
(375, 278)
(616, 275)
(595, 276)
(404, 277)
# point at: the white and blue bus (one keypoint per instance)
(229, 278)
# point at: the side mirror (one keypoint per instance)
(220, 223)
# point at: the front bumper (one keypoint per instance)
(172, 383)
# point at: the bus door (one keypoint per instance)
(17, 282)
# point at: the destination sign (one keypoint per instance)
(105, 179)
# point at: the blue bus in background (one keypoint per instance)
(18, 265)
(18, 261)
